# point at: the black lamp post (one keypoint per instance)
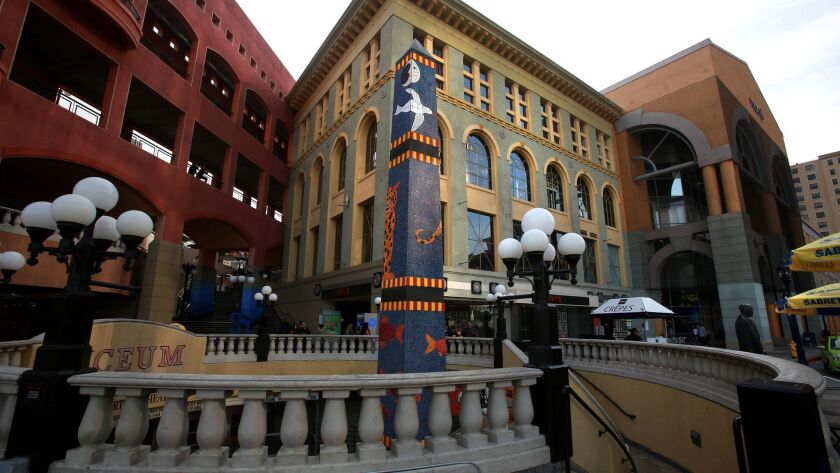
(494, 301)
(189, 270)
(550, 399)
(48, 410)
(787, 277)
(264, 299)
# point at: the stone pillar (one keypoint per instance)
(162, 279)
(212, 426)
(131, 429)
(371, 427)
(710, 182)
(95, 427)
(172, 430)
(334, 427)
(731, 186)
(411, 327)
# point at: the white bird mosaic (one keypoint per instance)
(416, 107)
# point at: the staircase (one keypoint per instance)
(225, 303)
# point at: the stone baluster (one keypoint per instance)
(93, 430)
(212, 342)
(296, 345)
(497, 413)
(334, 427)
(4, 357)
(171, 430)
(211, 430)
(8, 399)
(252, 429)
(470, 417)
(15, 357)
(440, 421)
(371, 427)
(250, 347)
(310, 345)
(406, 424)
(450, 345)
(293, 429)
(523, 409)
(365, 345)
(343, 347)
(238, 346)
(131, 429)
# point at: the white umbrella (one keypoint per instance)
(632, 308)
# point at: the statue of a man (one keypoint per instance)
(747, 332)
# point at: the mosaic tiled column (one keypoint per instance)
(411, 331)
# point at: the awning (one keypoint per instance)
(821, 297)
(819, 255)
(632, 308)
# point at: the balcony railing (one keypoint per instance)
(129, 4)
(78, 107)
(506, 445)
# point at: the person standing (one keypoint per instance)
(633, 336)
(747, 332)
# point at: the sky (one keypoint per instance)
(791, 46)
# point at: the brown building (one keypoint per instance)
(817, 187)
(709, 204)
(179, 104)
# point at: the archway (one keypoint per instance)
(689, 288)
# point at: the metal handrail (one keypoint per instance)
(426, 467)
(612, 401)
(569, 392)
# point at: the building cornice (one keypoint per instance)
(471, 24)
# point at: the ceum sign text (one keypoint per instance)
(138, 358)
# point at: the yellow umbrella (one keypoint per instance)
(819, 255)
(821, 297)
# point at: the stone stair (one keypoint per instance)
(225, 303)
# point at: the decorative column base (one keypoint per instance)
(439, 445)
(526, 431)
(209, 458)
(83, 456)
(292, 456)
(336, 454)
(249, 457)
(473, 440)
(127, 456)
(169, 457)
(370, 452)
(500, 435)
(407, 448)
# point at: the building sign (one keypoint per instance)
(143, 346)
(756, 108)
(568, 300)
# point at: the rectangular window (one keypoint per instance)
(337, 233)
(833, 172)
(813, 187)
(809, 167)
(815, 195)
(516, 99)
(480, 244)
(476, 84)
(803, 208)
(438, 51)
(367, 232)
(794, 170)
(370, 65)
(830, 162)
(342, 94)
(818, 205)
(800, 198)
(797, 189)
(321, 116)
(590, 262)
(822, 225)
(614, 259)
(796, 180)
(580, 144)
(834, 181)
(313, 261)
(303, 138)
(820, 215)
(551, 117)
(604, 149)
(812, 177)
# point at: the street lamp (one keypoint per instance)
(786, 277)
(87, 234)
(544, 352)
(10, 263)
(264, 299)
(495, 298)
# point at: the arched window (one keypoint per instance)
(584, 199)
(299, 192)
(342, 164)
(748, 152)
(520, 180)
(554, 188)
(609, 208)
(317, 176)
(478, 163)
(370, 149)
(440, 143)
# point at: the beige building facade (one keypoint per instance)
(817, 187)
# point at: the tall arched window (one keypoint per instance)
(584, 199)
(317, 176)
(299, 191)
(440, 143)
(478, 163)
(370, 149)
(749, 153)
(554, 188)
(609, 208)
(520, 180)
(339, 165)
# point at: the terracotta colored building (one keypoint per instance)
(709, 203)
(179, 104)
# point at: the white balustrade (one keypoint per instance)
(11, 353)
(128, 453)
(8, 398)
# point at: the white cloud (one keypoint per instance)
(790, 45)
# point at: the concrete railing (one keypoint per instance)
(503, 445)
(711, 373)
(12, 353)
(8, 398)
(227, 348)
